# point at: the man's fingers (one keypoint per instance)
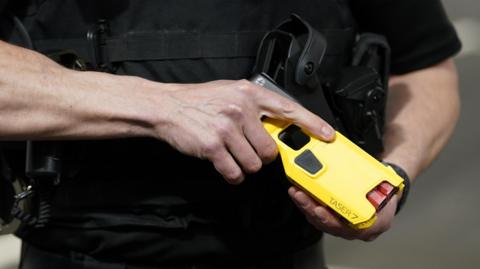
(326, 220)
(243, 153)
(307, 206)
(321, 217)
(335, 224)
(303, 201)
(279, 107)
(261, 141)
(227, 167)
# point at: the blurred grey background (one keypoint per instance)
(439, 227)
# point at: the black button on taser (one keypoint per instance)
(308, 162)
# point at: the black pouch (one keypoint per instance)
(360, 93)
(354, 102)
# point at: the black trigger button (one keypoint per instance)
(308, 162)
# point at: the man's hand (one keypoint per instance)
(221, 121)
(326, 221)
(406, 144)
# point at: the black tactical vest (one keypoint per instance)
(121, 195)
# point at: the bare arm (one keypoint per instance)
(40, 99)
(422, 112)
(218, 120)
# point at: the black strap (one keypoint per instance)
(406, 182)
(158, 45)
(162, 46)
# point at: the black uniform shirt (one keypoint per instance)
(419, 32)
(129, 202)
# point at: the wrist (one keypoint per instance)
(152, 106)
(402, 196)
(114, 106)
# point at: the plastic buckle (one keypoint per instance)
(43, 162)
(97, 37)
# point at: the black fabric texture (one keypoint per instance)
(3, 5)
(419, 32)
(34, 258)
(140, 201)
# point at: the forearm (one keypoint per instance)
(40, 99)
(422, 111)
(217, 120)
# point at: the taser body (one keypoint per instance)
(338, 174)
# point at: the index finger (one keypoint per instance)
(275, 106)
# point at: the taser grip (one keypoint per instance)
(338, 174)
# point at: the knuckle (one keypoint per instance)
(234, 177)
(211, 147)
(288, 107)
(313, 222)
(268, 152)
(253, 166)
(244, 85)
(224, 129)
(234, 111)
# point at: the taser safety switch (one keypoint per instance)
(338, 174)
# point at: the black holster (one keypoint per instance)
(292, 55)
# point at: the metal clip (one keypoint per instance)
(24, 194)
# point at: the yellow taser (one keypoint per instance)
(338, 174)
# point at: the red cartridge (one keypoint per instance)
(380, 195)
(385, 188)
(376, 198)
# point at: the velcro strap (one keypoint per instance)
(161, 45)
(172, 46)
